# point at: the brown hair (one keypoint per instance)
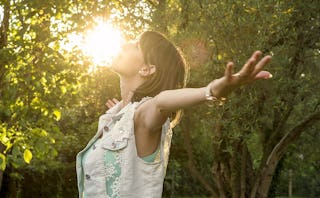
(171, 68)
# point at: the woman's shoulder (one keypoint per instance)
(143, 100)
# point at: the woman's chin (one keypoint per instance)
(114, 63)
(115, 68)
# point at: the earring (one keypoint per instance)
(143, 70)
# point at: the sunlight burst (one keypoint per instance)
(102, 43)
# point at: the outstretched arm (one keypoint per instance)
(154, 112)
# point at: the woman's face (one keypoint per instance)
(129, 60)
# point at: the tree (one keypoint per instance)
(38, 77)
(47, 95)
(253, 131)
(49, 103)
(301, 161)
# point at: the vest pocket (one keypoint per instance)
(114, 145)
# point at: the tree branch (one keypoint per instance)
(294, 133)
(235, 165)
(263, 182)
(217, 169)
(152, 3)
(243, 173)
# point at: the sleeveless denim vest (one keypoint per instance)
(138, 178)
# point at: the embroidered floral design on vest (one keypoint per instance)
(113, 172)
(122, 172)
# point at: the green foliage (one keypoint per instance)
(3, 162)
(257, 116)
(50, 104)
(27, 156)
(40, 82)
(302, 159)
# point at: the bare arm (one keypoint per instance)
(153, 112)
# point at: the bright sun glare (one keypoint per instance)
(102, 43)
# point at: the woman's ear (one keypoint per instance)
(152, 69)
(147, 70)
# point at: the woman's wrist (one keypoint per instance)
(209, 94)
(212, 93)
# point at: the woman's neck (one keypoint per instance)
(127, 88)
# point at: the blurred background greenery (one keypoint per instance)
(266, 134)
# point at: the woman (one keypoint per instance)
(128, 156)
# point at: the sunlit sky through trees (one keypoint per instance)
(101, 43)
(1, 13)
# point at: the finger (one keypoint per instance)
(261, 64)
(263, 75)
(250, 64)
(229, 70)
(109, 104)
(115, 100)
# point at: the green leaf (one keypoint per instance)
(63, 89)
(57, 113)
(2, 162)
(4, 140)
(43, 133)
(27, 156)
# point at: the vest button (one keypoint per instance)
(94, 147)
(106, 128)
(87, 176)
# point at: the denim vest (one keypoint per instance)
(138, 178)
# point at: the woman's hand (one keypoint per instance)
(251, 71)
(111, 103)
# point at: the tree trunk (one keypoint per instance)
(290, 184)
(5, 24)
(192, 168)
(244, 171)
(220, 170)
(263, 181)
(3, 43)
(235, 165)
(4, 36)
(217, 170)
(2, 148)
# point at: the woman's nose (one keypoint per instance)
(125, 45)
